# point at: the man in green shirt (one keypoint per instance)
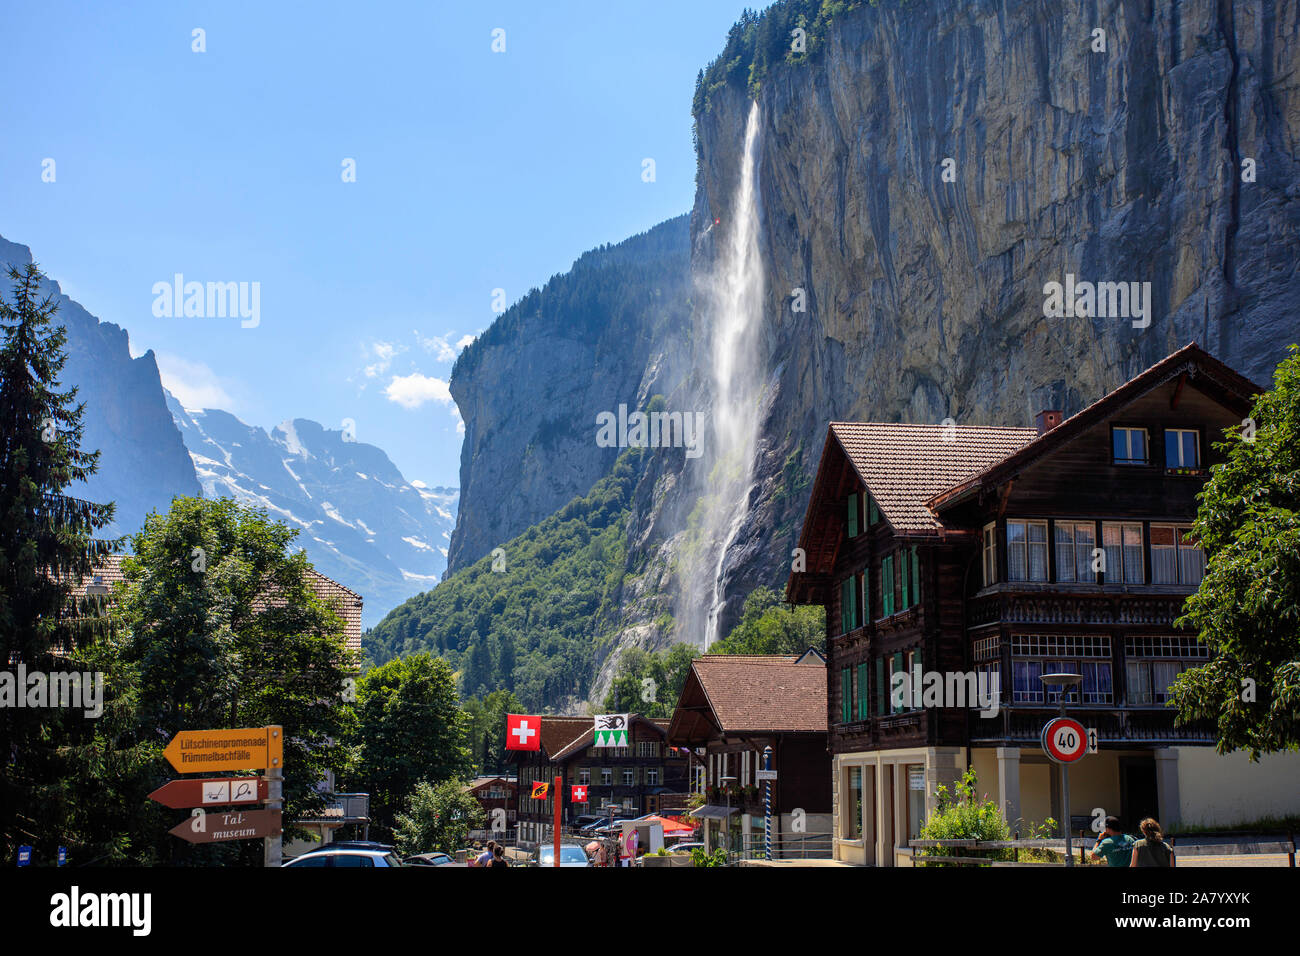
(1114, 845)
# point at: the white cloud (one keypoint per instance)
(412, 391)
(193, 383)
(383, 353)
(440, 346)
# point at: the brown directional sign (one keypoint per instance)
(217, 751)
(178, 794)
(217, 826)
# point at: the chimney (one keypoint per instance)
(1047, 419)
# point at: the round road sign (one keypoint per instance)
(1064, 740)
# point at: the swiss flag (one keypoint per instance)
(523, 732)
(578, 794)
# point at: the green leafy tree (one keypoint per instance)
(409, 729)
(650, 683)
(486, 720)
(437, 817)
(225, 630)
(767, 626)
(47, 541)
(1247, 608)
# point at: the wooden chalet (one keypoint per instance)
(1008, 553)
(734, 706)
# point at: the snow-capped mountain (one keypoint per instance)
(361, 522)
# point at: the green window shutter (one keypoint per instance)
(916, 576)
(864, 586)
(853, 516)
(906, 556)
(887, 586)
(852, 583)
(845, 700)
(846, 623)
(863, 706)
(898, 666)
(873, 510)
(882, 692)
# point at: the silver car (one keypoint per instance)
(570, 855)
(348, 859)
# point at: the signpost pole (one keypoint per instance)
(767, 805)
(272, 846)
(556, 828)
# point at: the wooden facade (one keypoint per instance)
(1057, 556)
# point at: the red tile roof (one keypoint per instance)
(587, 737)
(761, 693)
(903, 466)
(345, 602)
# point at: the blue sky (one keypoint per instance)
(475, 170)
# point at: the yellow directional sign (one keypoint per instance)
(209, 751)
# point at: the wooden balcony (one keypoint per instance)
(1115, 726)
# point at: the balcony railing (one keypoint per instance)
(1136, 725)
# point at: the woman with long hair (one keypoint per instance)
(1153, 851)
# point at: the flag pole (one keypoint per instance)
(558, 797)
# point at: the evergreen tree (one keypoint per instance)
(47, 543)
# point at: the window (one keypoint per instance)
(849, 619)
(1175, 556)
(852, 828)
(584, 775)
(853, 516)
(990, 554)
(1026, 687)
(873, 513)
(1129, 446)
(1026, 550)
(652, 776)
(895, 667)
(1096, 682)
(1075, 541)
(629, 777)
(863, 707)
(1149, 681)
(846, 712)
(1123, 550)
(647, 748)
(911, 578)
(864, 588)
(887, 585)
(1182, 447)
(606, 777)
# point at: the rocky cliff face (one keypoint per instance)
(608, 332)
(143, 463)
(1164, 152)
(925, 297)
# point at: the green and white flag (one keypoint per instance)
(611, 730)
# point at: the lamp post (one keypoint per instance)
(1065, 682)
(726, 821)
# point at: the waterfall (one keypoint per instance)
(734, 293)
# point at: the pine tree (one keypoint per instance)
(47, 543)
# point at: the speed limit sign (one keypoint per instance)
(1064, 740)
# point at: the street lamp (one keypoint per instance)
(1064, 681)
(726, 821)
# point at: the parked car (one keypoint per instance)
(686, 846)
(570, 855)
(428, 859)
(330, 857)
(586, 820)
(351, 845)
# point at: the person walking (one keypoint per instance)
(1114, 845)
(485, 858)
(498, 856)
(1152, 851)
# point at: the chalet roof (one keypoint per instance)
(346, 602)
(1191, 360)
(756, 694)
(903, 466)
(559, 732)
(588, 736)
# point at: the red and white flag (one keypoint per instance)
(578, 794)
(523, 732)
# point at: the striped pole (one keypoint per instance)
(767, 805)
